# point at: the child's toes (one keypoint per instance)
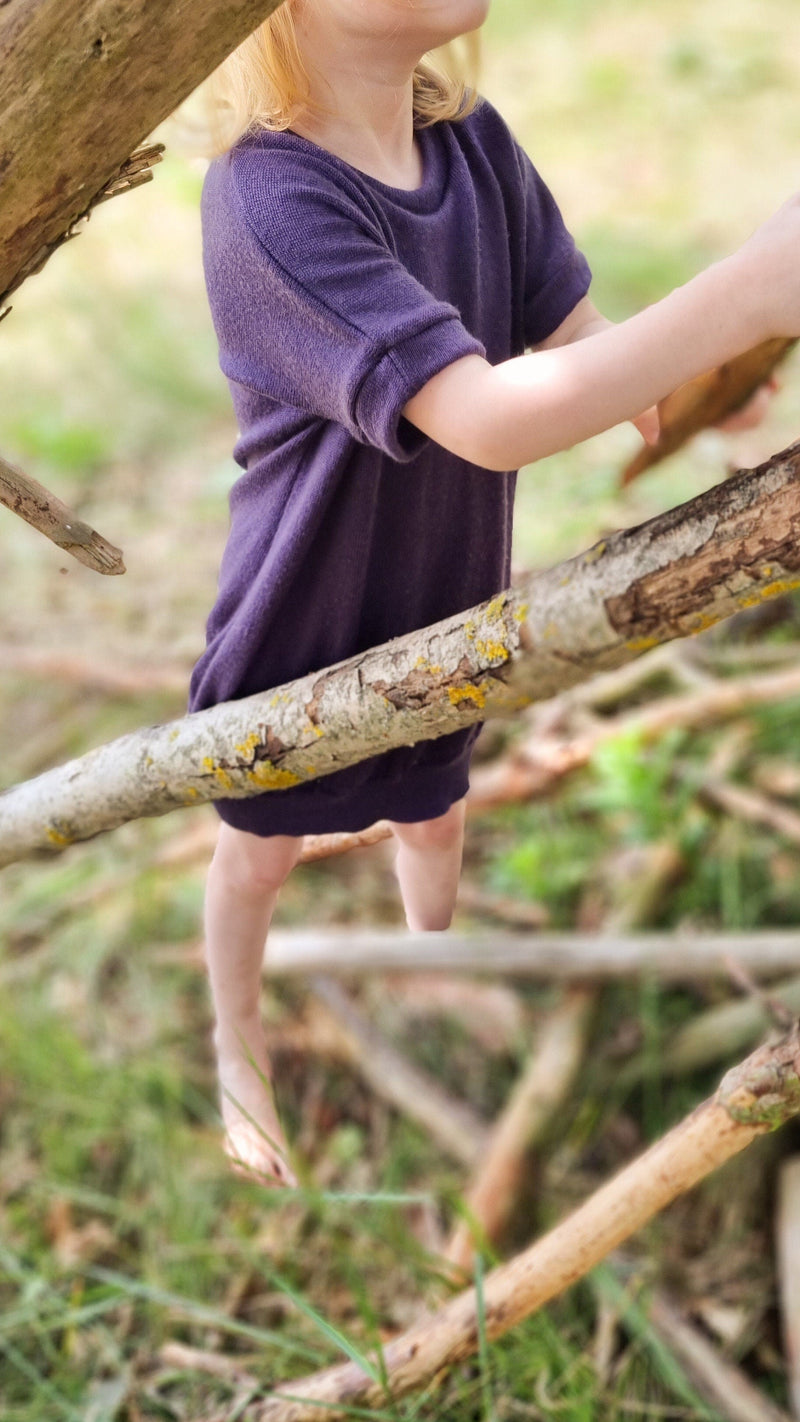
(253, 1158)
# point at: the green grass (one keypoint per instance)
(666, 130)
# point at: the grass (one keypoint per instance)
(667, 131)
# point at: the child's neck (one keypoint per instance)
(368, 120)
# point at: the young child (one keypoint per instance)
(379, 255)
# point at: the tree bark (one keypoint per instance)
(42, 510)
(673, 957)
(84, 81)
(759, 1095)
(731, 547)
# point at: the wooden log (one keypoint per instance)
(757, 1096)
(672, 957)
(96, 77)
(730, 547)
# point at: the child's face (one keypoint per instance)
(421, 23)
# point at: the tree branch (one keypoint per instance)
(757, 1096)
(91, 74)
(28, 498)
(731, 547)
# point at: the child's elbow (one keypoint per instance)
(456, 408)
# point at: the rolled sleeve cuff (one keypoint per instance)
(399, 375)
(553, 302)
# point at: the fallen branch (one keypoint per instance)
(536, 1098)
(722, 1031)
(541, 761)
(716, 1380)
(566, 957)
(116, 678)
(749, 805)
(787, 1239)
(452, 1124)
(42, 510)
(755, 1097)
(732, 546)
(490, 1013)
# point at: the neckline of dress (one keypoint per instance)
(425, 198)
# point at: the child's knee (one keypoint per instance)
(253, 864)
(444, 832)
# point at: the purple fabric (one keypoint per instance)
(335, 298)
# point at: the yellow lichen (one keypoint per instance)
(467, 693)
(218, 772)
(522, 612)
(248, 746)
(492, 651)
(61, 841)
(778, 588)
(469, 629)
(594, 554)
(495, 608)
(270, 777)
(641, 644)
(191, 794)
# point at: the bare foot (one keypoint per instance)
(254, 1139)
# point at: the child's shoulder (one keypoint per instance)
(268, 171)
(484, 128)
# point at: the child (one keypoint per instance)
(379, 254)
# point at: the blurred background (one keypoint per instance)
(667, 132)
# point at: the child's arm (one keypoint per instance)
(502, 417)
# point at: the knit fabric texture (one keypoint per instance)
(335, 298)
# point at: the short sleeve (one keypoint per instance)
(557, 275)
(312, 307)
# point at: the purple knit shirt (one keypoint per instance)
(335, 298)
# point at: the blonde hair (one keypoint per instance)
(263, 84)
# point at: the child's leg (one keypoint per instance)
(428, 865)
(242, 888)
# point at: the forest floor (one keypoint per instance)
(138, 1277)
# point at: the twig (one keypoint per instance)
(724, 1030)
(746, 804)
(219, 1365)
(720, 1382)
(539, 762)
(452, 1124)
(490, 1013)
(519, 913)
(112, 677)
(537, 1096)
(760, 1094)
(42, 510)
(787, 1239)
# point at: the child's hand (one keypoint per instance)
(649, 425)
(753, 412)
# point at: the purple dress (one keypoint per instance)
(335, 298)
